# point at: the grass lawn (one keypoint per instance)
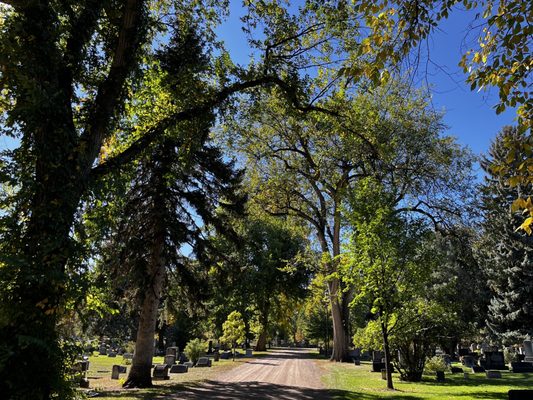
(99, 376)
(357, 382)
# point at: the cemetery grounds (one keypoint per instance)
(339, 381)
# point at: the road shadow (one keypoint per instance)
(215, 390)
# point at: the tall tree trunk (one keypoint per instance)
(340, 312)
(340, 343)
(139, 376)
(386, 350)
(262, 339)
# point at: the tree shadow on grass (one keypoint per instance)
(215, 390)
(515, 381)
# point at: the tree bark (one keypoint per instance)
(139, 375)
(261, 341)
(386, 350)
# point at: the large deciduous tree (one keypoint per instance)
(69, 72)
(268, 263)
(306, 165)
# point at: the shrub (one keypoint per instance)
(194, 349)
(435, 364)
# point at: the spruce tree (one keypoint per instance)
(506, 254)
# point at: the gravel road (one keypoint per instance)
(286, 374)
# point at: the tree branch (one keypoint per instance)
(108, 95)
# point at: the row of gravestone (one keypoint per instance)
(161, 371)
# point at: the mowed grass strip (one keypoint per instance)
(99, 376)
(357, 382)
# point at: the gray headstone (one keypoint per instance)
(102, 350)
(440, 376)
(528, 348)
(249, 353)
(182, 358)
(477, 369)
(520, 394)
(115, 372)
(179, 369)
(517, 366)
(494, 374)
(378, 366)
(172, 351)
(377, 356)
(111, 354)
(225, 355)
(170, 359)
(188, 364)
(468, 361)
(160, 372)
(127, 356)
(494, 360)
(203, 362)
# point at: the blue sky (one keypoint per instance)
(469, 115)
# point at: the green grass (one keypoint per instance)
(357, 382)
(99, 376)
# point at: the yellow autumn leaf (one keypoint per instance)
(526, 225)
(518, 204)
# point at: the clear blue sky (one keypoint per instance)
(468, 114)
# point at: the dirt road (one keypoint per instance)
(286, 374)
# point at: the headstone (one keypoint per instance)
(203, 362)
(440, 376)
(182, 358)
(84, 383)
(463, 352)
(127, 356)
(355, 353)
(494, 374)
(377, 356)
(465, 375)
(477, 369)
(356, 361)
(457, 370)
(210, 347)
(178, 369)
(102, 350)
(377, 366)
(115, 372)
(111, 354)
(249, 353)
(172, 351)
(384, 374)
(520, 394)
(225, 355)
(528, 351)
(216, 355)
(494, 360)
(188, 364)
(170, 359)
(160, 372)
(517, 366)
(468, 361)
(81, 366)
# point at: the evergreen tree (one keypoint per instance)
(505, 254)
